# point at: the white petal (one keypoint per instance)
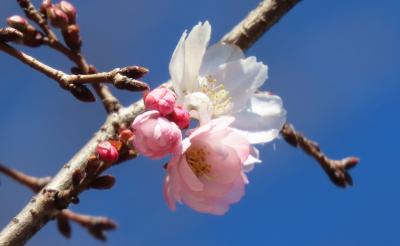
(241, 78)
(195, 47)
(263, 119)
(177, 65)
(199, 106)
(253, 159)
(187, 58)
(218, 54)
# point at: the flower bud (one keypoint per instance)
(125, 135)
(155, 136)
(17, 22)
(44, 6)
(160, 99)
(134, 72)
(104, 182)
(180, 117)
(72, 37)
(57, 17)
(69, 10)
(10, 34)
(107, 152)
(81, 92)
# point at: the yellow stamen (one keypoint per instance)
(196, 158)
(218, 95)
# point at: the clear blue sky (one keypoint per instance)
(336, 66)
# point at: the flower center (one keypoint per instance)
(218, 95)
(196, 158)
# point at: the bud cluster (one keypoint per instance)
(157, 132)
(30, 36)
(163, 100)
(63, 16)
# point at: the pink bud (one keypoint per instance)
(160, 99)
(125, 135)
(155, 136)
(57, 17)
(107, 152)
(180, 116)
(69, 10)
(17, 22)
(44, 6)
(72, 37)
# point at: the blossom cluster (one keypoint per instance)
(217, 90)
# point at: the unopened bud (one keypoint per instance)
(44, 6)
(17, 22)
(57, 17)
(350, 162)
(64, 226)
(180, 116)
(125, 135)
(72, 37)
(82, 93)
(32, 37)
(160, 99)
(104, 182)
(125, 83)
(69, 10)
(9, 34)
(92, 69)
(134, 72)
(107, 152)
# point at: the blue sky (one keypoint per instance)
(334, 63)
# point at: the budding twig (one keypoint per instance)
(110, 102)
(337, 170)
(96, 225)
(34, 15)
(115, 77)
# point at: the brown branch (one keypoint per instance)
(96, 225)
(34, 15)
(117, 76)
(110, 102)
(34, 183)
(244, 35)
(337, 170)
(258, 21)
(62, 189)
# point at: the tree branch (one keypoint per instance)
(34, 15)
(257, 22)
(110, 102)
(337, 170)
(117, 77)
(96, 225)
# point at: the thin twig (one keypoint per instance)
(110, 102)
(32, 13)
(34, 183)
(337, 170)
(115, 76)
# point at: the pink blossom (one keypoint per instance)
(207, 174)
(160, 99)
(180, 116)
(154, 135)
(107, 152)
